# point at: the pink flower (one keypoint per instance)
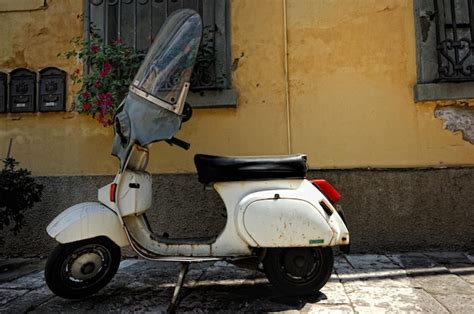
(94, 49)
(106, 70)
(101, 117)
(86, 106)
(85, 94)
(97, 83)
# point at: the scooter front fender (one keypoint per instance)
(86, 221)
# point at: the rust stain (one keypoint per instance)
(236, 62)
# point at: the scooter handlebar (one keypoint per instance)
(174, 141)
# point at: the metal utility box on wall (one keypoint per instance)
(3, 92)
(22, 90)
(52, 89)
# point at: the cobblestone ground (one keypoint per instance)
(412, 282)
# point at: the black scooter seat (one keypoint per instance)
(224, 169)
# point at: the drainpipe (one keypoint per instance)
(287, 76)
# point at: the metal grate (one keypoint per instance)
(136, 22)
(455, 39)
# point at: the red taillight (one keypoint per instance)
(328, 190)
(113, 188)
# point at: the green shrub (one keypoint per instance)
(18, 192)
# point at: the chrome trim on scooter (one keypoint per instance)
(155, 100)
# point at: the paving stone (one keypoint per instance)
(371, 262)
(412, 260)
(442, 283)
(457, 303)
(7, 295)
(381, 278)
(412, 282)
(318, 308)
(427, 273)
(372, 270)
(457, 263)
(464, 272)
(449, 258)
(129, 262)
(334, 292)
(28, 301)
(395, 300)
(13, 268)
(342, 266)
(32, 281)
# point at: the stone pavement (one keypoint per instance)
(408, 282)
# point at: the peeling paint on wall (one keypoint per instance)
(458, 119)
(425, 21)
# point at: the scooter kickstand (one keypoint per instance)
(177, 288)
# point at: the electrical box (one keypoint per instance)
(3, 92)
(52, 90)
(22, 90)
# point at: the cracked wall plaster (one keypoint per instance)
(458, 119)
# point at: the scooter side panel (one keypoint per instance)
(305, 192)
(85, 221)
(286, 223)
(232, 240)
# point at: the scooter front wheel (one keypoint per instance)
(79, 269)
(298, 271)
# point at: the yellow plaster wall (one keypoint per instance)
(71, 144)
(351, 72)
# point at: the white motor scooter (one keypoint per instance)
(287, 223)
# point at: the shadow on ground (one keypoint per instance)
(413, 282)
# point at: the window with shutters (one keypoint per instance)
(136, 22)
(445, 49)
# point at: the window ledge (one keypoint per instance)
(443, 91)
(226, 98)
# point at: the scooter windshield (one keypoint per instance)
(151, 111)
(170, 60)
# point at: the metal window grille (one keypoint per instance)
(136, 22)
(455, 39)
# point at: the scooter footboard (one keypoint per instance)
(85, 221)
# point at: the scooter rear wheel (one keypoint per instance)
(79, 269)
(298, 271)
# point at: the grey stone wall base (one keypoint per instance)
(387, 210)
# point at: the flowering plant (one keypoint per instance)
(112, 67)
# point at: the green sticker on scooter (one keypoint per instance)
(319, 241)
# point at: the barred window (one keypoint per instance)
(136, 22)
(445, 46)
(454, 36)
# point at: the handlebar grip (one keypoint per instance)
(178, 142)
